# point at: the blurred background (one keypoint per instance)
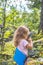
(14, 13)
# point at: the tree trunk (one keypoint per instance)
(41, 19)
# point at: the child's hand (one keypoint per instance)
(29, 39)
(30, 45)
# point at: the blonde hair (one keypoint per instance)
(19, 34)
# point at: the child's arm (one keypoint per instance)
(30, 44)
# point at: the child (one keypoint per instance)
(22, 45)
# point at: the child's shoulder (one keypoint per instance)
(24, 41)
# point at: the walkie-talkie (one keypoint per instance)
(30, 35)
(30, 52)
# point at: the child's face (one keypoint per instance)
(27, 35)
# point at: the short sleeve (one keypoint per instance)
(24, 43)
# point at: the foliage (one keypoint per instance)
(35, 4)
(13, 20)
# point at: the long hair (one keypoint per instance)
(19, 34)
